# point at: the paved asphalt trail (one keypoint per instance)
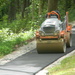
(31, 62)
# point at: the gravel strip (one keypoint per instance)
(19, 52)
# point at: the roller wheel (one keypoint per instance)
(69, 40)
(63, 48)
(46, 47)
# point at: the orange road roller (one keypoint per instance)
(54, 36)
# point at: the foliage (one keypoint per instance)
(71, 14)
(32, 18)
(3, 8)
(63, 7)
(9, 40)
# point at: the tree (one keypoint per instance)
(18, 5)
(33, 10)
(74, 1)
(52, 5)
(25, 4)
(67, 4)
(23, 8)
(12, 10)
(73, 4)
(41, 5)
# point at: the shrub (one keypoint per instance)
(10, 39)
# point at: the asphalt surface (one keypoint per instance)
(32, 62)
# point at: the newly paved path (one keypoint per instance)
(32, 62)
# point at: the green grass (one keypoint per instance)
(67, 67)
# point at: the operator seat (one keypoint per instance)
(53, 14)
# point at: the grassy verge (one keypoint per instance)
(67, 67)
(9, 40)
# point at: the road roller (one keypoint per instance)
(54, 35)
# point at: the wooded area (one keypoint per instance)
(25, 14)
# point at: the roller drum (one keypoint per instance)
(51, 46)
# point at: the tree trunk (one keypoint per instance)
(28, 3)
(67, 5)
(23, 7)
(25, 4)
(52, 5)
(74, 1)
(12, 11)
(32, 10)
(18, 5)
